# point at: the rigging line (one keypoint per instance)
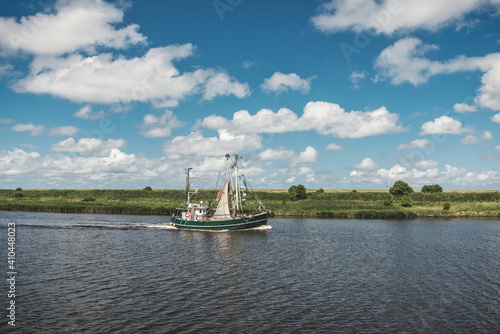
(217, 183)
(256, 197)
(252, 191)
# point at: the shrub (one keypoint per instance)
(148, 188)
(388, 200)
(406, 201)
(18, 195)
(297, 192)
(446, 206)
(400, 188)
(88, 199)
(320, 191)
(19, 189)
(435, 188)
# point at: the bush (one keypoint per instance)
(88, 199)
(435, 188)
(400, 188)
(388, 200)
(406, 201)
(446, 206)
(148, 188)
(320, 191)
(19, 189)
(18, 195)
(297, 192)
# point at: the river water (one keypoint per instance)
(128, 274)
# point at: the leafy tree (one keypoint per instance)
(446, 206)
(435, 188)
(292, 192)
(19, 189)
(148, 188)
(320, 191)
(297, 192)
(400, 188)
(388, 200)
(405, 201)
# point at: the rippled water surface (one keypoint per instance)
(129, 274)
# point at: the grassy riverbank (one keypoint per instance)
(330, 204)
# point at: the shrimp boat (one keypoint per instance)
(231, 212)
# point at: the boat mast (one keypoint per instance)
(237, 184)
(187, 185)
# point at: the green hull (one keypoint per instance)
(243, 223)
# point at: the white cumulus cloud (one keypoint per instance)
(426, 164)
(74, 25)
(405, 61)
(280, 82)
(112, 168)
(68, 130)
(195, 144)
(496, 118)
(366, 164)
(88, 145)
(308, 156)
(471, 140)
(443, 125)
(323, 117)
(389, 16)
(424, 172)
(221, 84)
(101, 164)
(34, 130)
(159, 126)
(330, 119)
(489, 92)
(464, 107)
(355, 78)
(281, 153)
(334, 147)
(416, 144)
(107, 79)
(17, 162)
(86, 113)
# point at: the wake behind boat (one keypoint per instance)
(231, 213)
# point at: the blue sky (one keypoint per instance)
(328, 94)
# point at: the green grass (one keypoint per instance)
(94, 201)
(330, 204)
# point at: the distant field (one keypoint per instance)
(374, 190)
(326, 190)
(332, 203)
